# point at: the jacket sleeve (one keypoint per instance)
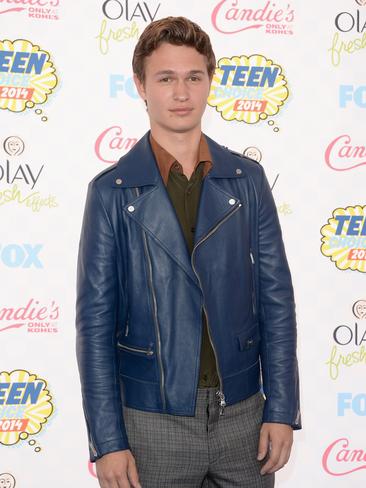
(277, 319)
(96, 316)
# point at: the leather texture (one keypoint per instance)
(140, 295)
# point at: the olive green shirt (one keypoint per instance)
(185, 194)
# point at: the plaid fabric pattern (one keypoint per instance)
(204, 451)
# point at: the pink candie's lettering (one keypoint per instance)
(232, 16)
(33, 312)
(341, 155)
(110, 143)
(338, 460)
(30, 5)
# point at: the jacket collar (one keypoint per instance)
(139, 167)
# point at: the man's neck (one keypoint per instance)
(182, 145)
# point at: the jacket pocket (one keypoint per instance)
(137, 362)
(136, 349)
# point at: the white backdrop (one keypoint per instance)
(69, 108)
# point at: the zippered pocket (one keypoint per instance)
(138, 350)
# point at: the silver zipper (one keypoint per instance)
(219, 393)
(92, 448)
(254, 307)
(149, 352)
(127, 327)
(157, 331)
(90, 436)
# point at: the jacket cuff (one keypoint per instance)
(106, 447)
(282, 418)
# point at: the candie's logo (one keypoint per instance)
(248, 89)
(34, 316)
(233, 16)
(112, 143)
(340, 459)
(36, 9)
(25, 406)
(342, 155)
(27, 75)
(344, 238)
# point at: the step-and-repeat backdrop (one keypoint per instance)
(290, 92)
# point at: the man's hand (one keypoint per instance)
(117, 470)
(277, 438)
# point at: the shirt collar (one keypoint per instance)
(165, 160)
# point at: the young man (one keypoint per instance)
(185, 302)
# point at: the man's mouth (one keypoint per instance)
(181, 111)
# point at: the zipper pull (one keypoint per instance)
(92, 448)
(221, 400)
(251, 257)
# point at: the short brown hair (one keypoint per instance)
(179, 31)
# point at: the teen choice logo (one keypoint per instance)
(344, 238)
(27, 75)
(25, 406)
(248, 89)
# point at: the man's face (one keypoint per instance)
(176, 87)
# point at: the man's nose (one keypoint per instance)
(181, 91)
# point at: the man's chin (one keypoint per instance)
(182, 128)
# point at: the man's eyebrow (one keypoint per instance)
(171, 72)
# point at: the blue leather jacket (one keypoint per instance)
(140, 296)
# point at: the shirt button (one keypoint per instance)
(131, 208)
(238, 171)
(231, 201)
(118, 181)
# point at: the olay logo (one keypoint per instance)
(339, 460)
(342, 155)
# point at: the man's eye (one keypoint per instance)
(166, 79)
(194, 78)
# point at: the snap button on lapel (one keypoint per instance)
(131, 208)
(231, 201)
(118, 181)
(238, 171)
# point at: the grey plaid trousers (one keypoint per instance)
(203, 451)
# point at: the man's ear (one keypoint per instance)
(140, 87)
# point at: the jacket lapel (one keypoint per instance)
(153, 210)
(216, 202)
(152, 207)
